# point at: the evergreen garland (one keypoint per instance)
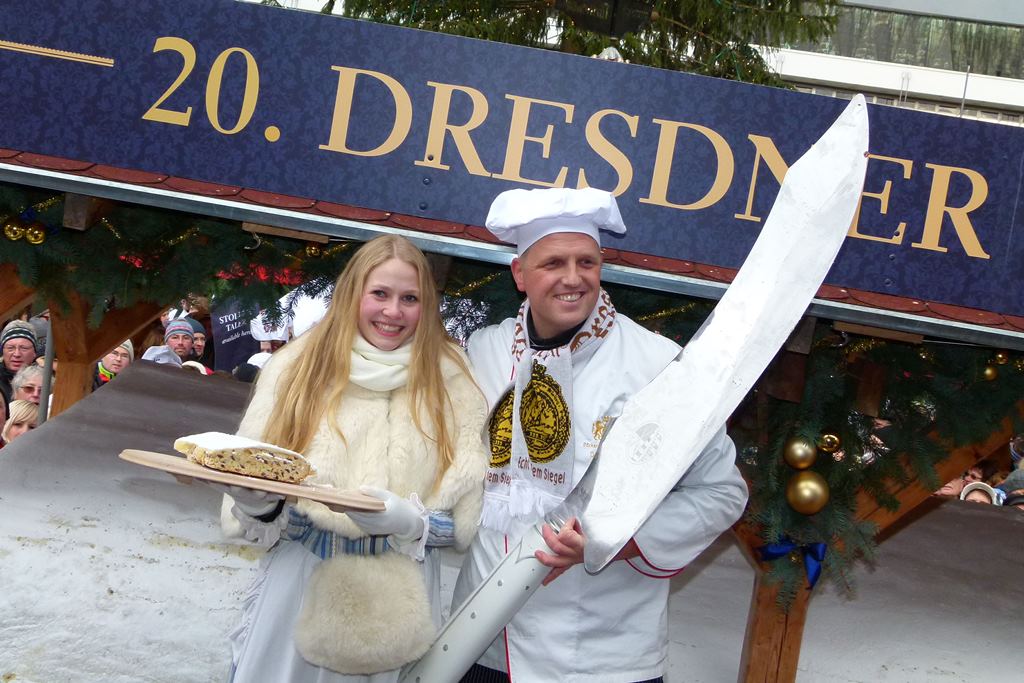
(937, 397)
(139, 253)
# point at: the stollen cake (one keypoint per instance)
(239, 455)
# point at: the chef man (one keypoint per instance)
(554, 377)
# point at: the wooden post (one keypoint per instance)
(771, 649)
(771, 644)
(14, 295)
(78, 348)
(69, 339)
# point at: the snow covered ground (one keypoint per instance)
(942, 604)
(113, 572)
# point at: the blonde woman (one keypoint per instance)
(23, 415)
(378, 399)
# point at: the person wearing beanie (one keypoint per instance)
(179, 337)
(41, 325)
(199, 353)
(120, 357)
(19, 346)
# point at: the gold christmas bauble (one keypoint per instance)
(312, 251)
(35, 233)
(1002, 358)
(925, 355)
(14, 230)
(799, 453)
(807, 492)
(829, 442)
(990, 373)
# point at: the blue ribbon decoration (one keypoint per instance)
(813, 554)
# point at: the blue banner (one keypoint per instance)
(435, 126)
(232, 337)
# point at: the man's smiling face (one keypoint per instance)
(561, 275)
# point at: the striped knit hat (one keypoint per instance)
(179, 326)
(18, 329)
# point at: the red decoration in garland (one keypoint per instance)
(285, 276)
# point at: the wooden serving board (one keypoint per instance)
(180, 466)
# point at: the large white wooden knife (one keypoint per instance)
(665, 426)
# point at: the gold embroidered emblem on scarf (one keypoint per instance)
(544, 416)
(500, 429)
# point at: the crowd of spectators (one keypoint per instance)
(990, 482)
(179, 338)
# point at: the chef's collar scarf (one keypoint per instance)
(533, 438)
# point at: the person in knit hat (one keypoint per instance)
(19, 346)
(199, 347)
(116, 360)
(41, 324)
(198, 336)
(179, 338)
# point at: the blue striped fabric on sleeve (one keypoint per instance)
(327, 544)
(441, 529)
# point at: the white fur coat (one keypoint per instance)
(369, 614)
(383, 448)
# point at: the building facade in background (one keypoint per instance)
(941, 56)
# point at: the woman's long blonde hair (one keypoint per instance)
(325, 362)
(20, 411)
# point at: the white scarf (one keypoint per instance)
(379, 370)
(533, 438)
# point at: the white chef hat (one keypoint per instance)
(524, 216)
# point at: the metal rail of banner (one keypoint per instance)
(489, 253)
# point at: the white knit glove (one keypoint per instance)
(250, 501)
(400, 518)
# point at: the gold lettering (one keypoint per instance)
(726, 166)
(517, 138)
(609, 152)
(343, 111)
(439, 125)
(765, 149)
(883, 203)
(937, 208)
